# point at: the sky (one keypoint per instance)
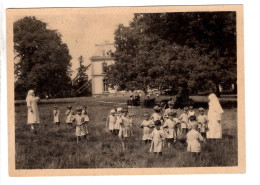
(82, 31)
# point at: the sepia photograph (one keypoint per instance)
(125, 90)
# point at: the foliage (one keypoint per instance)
(169, 50)
(82, 86)
(42, 60)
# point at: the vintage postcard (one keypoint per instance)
(126, 90)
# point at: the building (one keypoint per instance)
(99, 61)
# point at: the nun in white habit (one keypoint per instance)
(33, 113)
(214, 118)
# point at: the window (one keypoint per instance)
(104, 67)
(105, 87)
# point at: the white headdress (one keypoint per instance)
(214, 104)
(30, 94)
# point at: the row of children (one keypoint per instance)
(81, 119)
(161, 126)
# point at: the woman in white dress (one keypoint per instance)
(33, 113)
(214, 118)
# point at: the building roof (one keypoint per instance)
(104, 49)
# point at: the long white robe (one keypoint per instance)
(214, 118)
(33, 116)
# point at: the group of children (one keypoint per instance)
(162, 128)
(80, 119)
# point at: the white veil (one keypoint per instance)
(214, 104)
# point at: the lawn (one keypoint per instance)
(56, 148)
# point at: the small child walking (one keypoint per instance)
(147, 126)
(86, 119)
(124, 130)
(157, 138)
(111, 121)
(118, 120)
(56, 115)
(69, 116)
(202, 122)
(131, 123)
(194, 138)
(79, 121)
(184, 119)
(169, 126)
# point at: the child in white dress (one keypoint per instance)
(194, 138)
(124, 130)
(69, 117)
(169, 127)
(157, 115)
(56, 115)
(170, 109)
(191, 112)
(202, 120)
(184, 119)
(79, 121)
(86, 119)
(131, 122)
(111, 121)
(118, 120)
(157, 138)
(147, 126)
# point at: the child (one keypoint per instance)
(124, 130)
(69, 116)
(169, 125)
(202, 122)
(157, 115)
(193, 138)
(157, 138)
(130, 119)
(184, 118)
(191, 111)
(86, 119)
(147, 126)
(56, 115)
(111, 121)
(170, 109)
(118, 120)
(79, 120)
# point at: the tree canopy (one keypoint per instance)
(82, 86)
(194, 50)
(42, 60)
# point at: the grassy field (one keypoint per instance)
(56, 148)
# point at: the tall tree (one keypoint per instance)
(42, 60)
(194, 51)
(82, 86)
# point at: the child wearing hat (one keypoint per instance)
(147, 126)
(56, 115)
(202, 122)
(169, 127)
(69, 117)
(86, 119)
(79, 121)
(118, 120)
(191, 112)
(157, 138)
(111, 121)
(194, 138)
(124, 130)
(184, 118)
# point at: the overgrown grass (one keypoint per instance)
(56, 148)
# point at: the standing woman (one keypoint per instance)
(33, 114)
(214, 118)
